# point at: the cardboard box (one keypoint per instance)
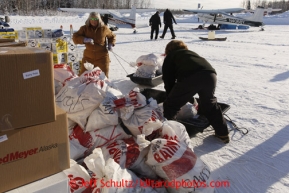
(33, 43)
(13, 44)
(31, 34)
(60, 46)
(3, 40)
(55, 183)
(32, 28)
(31, 153)
(46, 46)
(75, 66)
(71, 47)
(47, 33)
(21, 35)
(26, 86)
(60, 58)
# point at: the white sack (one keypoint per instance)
(127, 154)
(187, 111)
(143, 121)
(57, 86)
(110, 174)
(105, 115)
(146, 71)
(77, 151)
(150, 59)
(174, 161)
(81, 95)
(78, 176)
(133, 100)
(96, 138)
(148, 65)
(173, 130)
(63, 73)
(101, 117)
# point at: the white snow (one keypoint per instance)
(253, 78)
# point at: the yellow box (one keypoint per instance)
(60, 46)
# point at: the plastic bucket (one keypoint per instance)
(211, 35)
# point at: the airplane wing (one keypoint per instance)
(215, 11)
(104, 11)
(137, 10)
(268, 10)
(84, 10)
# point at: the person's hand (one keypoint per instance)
(109, 47)
(88, 40)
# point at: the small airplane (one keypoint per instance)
(225, 16)
(267, 11)
(114, 16)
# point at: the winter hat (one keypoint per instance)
(94, 15)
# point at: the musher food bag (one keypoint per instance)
(78, 177)
(127, 154)
(113, 178)
(179, 166)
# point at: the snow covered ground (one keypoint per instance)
(253, 78)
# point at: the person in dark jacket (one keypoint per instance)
(185, 74)
(168, 21)
(155, 22)
(104, 18)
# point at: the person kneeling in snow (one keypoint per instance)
(185, 74)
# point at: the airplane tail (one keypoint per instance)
(258, 15)
(132, 16)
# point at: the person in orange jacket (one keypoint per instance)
(98, 39)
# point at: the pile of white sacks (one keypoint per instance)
(157, 155)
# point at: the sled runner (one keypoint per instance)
(215, 39)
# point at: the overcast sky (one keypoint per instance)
(193, 4)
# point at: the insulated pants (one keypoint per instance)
(102, 63)
(154, 29)
(171, 29)
(202, 83)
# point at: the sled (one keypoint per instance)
(193, 125)
(215, 39)
(151, 82)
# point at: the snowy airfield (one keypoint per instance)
(253, 78)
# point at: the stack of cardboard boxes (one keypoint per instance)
(63, 49)
(11, 43)
(33, 131)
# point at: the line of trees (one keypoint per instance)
(282, 4)
(48, 7)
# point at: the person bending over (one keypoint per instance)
(185, 74)
(95, 35)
